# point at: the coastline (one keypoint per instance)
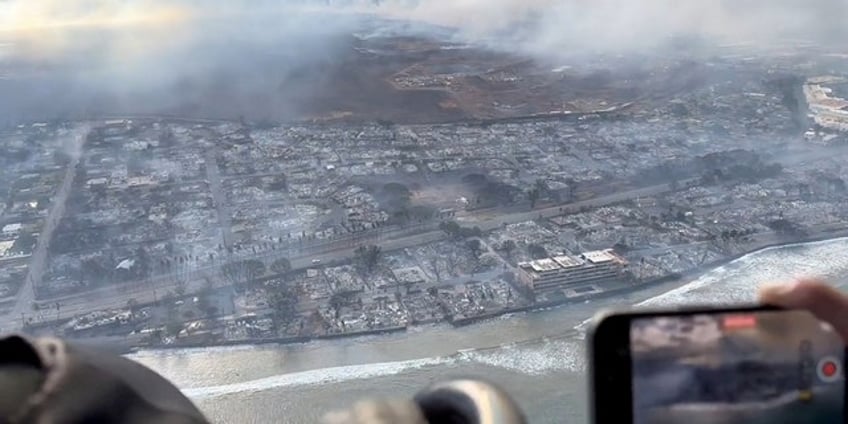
(125, 346)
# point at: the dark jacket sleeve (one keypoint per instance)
(57, 382)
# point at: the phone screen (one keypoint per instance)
(754, 367)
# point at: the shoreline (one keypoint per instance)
(680, 279)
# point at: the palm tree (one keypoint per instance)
(281, 266)
(508, 247)
(533, 196)
(132, 305)
(541, 185)
(572, 187)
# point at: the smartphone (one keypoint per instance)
(705, 365)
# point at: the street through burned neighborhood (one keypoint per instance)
(166, 230)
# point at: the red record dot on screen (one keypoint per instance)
(829, 370)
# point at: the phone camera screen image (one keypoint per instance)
(755, 367)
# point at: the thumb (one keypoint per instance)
(379, 411)
(815, 296)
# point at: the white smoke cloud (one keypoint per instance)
(598, 24)
(163, 55)
(621, 25)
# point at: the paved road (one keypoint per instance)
(156, 287)
(213, 175)
(116, 297)
(795, 156)
(38, 260)
(144, 294)
(491, 220)
(395, 239)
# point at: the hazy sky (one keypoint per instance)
(167, 53)
(600, 23)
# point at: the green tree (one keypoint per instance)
(168, 298)
(281, 266)
(283, 301)
(255, 269)
(132, 306)
(451, 228)
(475, 247)
(340, 299)
(204, 296)
(181, 288)
(572, 187)
(208, 286)
(537, 251)
(155, 336)
(173, 327)
(541, 186)
(434, 266)
(533, 197)
(508, 247)
(142, 262)
(367, 258)
(243, 272)
(337, 301)
(233, 272)
(396, 196)
(465, 232)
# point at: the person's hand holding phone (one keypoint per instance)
(824, 301)
(777, 362)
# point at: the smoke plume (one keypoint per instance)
(216, 58)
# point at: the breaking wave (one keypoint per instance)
(733, 282)
(532, 357)
(316, 377)
(737, 281)
(144, 352)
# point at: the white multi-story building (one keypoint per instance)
(565, 271)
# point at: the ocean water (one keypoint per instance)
(538, 357)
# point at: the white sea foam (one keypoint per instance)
(539, 358)
(317, 377)
(534, 357)
(142, 353)
(738, 280)
(731, 283)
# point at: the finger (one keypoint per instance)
(824, 301)
(378, 412)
